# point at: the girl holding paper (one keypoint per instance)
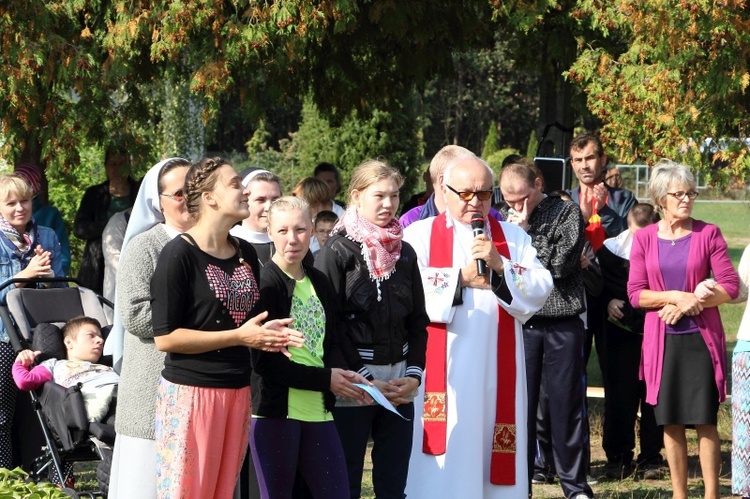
(376, 278)
(293, 397)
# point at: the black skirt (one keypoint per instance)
(688, 393)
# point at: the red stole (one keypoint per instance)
(503, 462)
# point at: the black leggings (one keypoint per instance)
(8, 393)
(280, 446)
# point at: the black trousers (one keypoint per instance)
(556, 348)
(624, 392)
(544, 462)
(391, 449)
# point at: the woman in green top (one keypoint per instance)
(293, 397)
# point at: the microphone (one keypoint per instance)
(477, 225)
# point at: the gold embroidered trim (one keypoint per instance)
(504, 440)
(434, 407)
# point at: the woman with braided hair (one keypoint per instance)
(204, 299)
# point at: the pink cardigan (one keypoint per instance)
(708, 252)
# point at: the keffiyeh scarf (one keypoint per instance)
(381, 246)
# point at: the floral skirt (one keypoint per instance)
(741, 424)
(201, 440)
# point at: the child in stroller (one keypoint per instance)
(83, 342)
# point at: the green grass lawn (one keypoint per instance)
(732, 217)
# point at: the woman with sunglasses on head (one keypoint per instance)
(377, 281)
(683, 356)
(205, 297)
(159, 215)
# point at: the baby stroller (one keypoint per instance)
(58, 421)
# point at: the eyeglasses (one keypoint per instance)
(681, 195)
(469, 195)
(177, 195)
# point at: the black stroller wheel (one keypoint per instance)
(70, 492)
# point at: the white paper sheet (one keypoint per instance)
(378, 397)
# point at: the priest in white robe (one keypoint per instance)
(470, 433)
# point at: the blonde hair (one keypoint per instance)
(313, 190)
(11, 183)
(371, 171)
(289, 203)
(200, 178)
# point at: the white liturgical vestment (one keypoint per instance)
(471, 365)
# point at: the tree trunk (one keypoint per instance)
(556, 115)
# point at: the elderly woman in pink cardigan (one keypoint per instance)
(683, 357)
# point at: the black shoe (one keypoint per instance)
(541, 478)
(653, 470)
(618, 470)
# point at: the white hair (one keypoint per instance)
(667, 173)
(444, 156)
(454, 161)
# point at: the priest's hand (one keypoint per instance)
(483, 249)
(470, 279)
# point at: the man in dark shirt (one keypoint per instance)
(613, 205)
(592, 194)
(553, 338)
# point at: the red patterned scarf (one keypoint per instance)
(381, 246)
